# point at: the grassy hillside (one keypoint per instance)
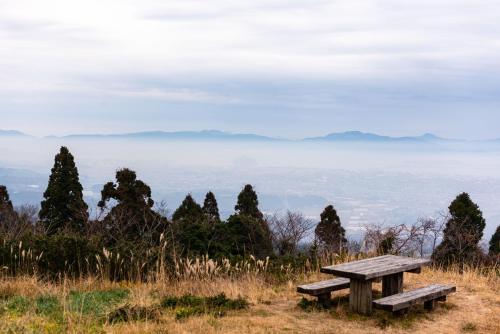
(253, 302)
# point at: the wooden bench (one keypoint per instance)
(400, 302)
(322, 290)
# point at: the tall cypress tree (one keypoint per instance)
(63, 206)
(5, 202)
(6, 208)
(462, 233)
(495, 243)
(188, 211)
(192, 234)
(247, 231)
(211, 209)
(329, 232)
(248, 203)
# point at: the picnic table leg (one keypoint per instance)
(392, 284)
(360, 296)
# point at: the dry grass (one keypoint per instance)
(273, 307)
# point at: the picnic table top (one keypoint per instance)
(375, 267)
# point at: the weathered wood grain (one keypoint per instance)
(360, 296)
(320, 288)
(392, 284)
(376, 267)
(406, 299)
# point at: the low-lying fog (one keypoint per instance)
(367, 183)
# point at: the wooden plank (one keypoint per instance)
(376, 267)
(323, 287)
(409, 298)
(393, 269)
(392, 284)
(374, 263)
(360, 296)
(399, 264)
(365, 263)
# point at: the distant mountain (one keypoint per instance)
(12, 133)
(179, 135)
(215, 135)
(358, 136)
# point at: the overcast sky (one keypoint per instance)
(284, 68)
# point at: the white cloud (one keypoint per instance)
(292, 61)
(236, 39)
(178, 95)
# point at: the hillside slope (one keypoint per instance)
(273, 308)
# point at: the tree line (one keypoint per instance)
(130, 227)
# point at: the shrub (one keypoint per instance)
(133, 313)
(96, 302)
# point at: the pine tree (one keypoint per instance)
(210, 208)
(495, 243)
(248, 203)
(329, 232)
(247, 231)
(6, 208)
(132, 217)
(247, 235)
(63, 206)
(5, 202)
(462, 233)
(128, 191)
(188, 211)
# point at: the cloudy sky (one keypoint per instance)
(285, 68)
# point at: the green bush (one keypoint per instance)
(49, 306)
(96, 303)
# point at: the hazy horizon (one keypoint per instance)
(283, 69)
(368, 183)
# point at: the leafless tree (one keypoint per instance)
(353, 246)
(21, 222)
(417, 239)
(288, 231)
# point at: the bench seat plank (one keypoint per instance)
(406, 299)
(320, 288)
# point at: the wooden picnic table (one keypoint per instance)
(362, 273)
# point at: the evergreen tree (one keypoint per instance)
(248, 203)
(193, 235)
(188, 211)
(495, 243)
(210, 208)
(247, 231)
(462, 233)
(329, 233)
(6, 208)
(132, 217)
(63, 206)
(5, 202)
(247, 235)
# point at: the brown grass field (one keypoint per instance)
(28, 305)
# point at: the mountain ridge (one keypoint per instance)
(12, 133)
(359, 136)
(346, 136)
(178, 135)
